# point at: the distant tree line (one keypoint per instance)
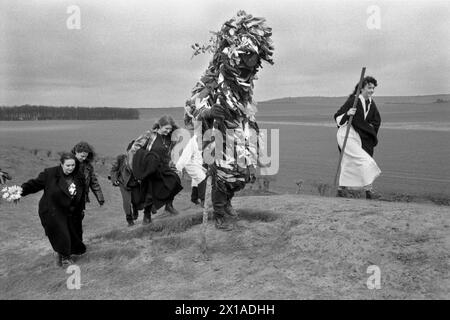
(30, 112)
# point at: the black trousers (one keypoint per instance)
(220, 199)
(198, 192)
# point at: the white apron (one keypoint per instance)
(191, 160)
(358, 168)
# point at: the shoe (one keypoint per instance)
(195, 201)
(342, 193)
(130, 223)
(202, 203)
(65, 261)
(150, 210)
(222, 224)
(59, 260)
(147, 219)
(135, 214)
(230, 210)
(170, 209)
(371, 195)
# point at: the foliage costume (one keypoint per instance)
(222, 100)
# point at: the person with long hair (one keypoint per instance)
(358, 169)
(159, 187)
(85, 155)
(61, 206)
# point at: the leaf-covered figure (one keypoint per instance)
(223, 99)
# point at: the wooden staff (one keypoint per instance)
(338, 171)
(207, 206)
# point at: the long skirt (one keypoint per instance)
(358, 168)
(65, 232)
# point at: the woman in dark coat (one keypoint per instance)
(366, 117)
(158, 187)
(61, 206)
(85, 154)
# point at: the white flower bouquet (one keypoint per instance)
(72, 189)
(12, 194)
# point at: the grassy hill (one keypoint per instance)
(282, 247)
(383, 99)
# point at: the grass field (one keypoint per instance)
(284, 246)
(413, 151)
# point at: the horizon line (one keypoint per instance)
(263, 101)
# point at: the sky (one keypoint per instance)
(137, 53)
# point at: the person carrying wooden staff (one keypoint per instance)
(358, 168)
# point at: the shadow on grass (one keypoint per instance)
(126, 252)
(179, 224)
(257, 215)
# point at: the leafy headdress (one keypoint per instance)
(238, 49)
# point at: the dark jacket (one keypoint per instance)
(60, 213)
(158, 180)
(91, 182)
(366, 128)
(129, 187)
(122, 173)
(146, 140)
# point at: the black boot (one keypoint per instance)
(58, 260)
(371, 195)
(63, 261)
(66, 261)
(170, 209)
(194, 195)
(221, 223)
(135, 212)
(230, 210)
(147, 215)
(220, 201)
(342, 193)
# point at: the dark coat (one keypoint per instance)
(91, 182)
(366, 128)
(60, 213)
(158, 180)
(128, 185)
(121, 172)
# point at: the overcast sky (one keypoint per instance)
(137, 53)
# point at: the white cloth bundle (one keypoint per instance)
(358, 168)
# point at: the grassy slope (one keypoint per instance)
(283, 247)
